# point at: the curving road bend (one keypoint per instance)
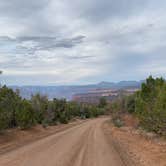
(81, 145)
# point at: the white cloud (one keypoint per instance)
(69, 42)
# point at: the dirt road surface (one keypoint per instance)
(81, 145)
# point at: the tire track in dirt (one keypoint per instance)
(10, 146)
(83, 145)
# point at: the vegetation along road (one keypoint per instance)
(84, 144)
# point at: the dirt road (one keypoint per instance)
(82, 145)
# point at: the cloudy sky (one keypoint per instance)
(53, 42)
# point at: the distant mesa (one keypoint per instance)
(73, 91)
(94, 96)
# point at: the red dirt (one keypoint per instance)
(145, 149)
(14, 138)
(130, 120)
(94, 142)
(80, 145)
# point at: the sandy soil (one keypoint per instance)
(81, 145)
(14, 138)
(143, 149)
(93, 143)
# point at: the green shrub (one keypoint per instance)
(150, 105)
(63, 118)
(130, 104)
(18, 112)
(45, 123)
(118, 122)
(102, 102)
(4, 120)
(25, 117)
(9, 104)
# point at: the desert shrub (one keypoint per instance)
(102, 102)
(130, 104)
(25, 116)
(45, 123)
(116, 114)
(18, 112)
(117, 120)
(63, 118)
(39, 105)
(150, 105)
(9, 104)
(88, 112)
(155, 119)
(4, 120)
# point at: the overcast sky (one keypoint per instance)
(53, 42)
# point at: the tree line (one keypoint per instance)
(148, 104)
(18, 112)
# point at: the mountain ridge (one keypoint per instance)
(67, 91)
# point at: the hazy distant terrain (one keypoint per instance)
(68, 91)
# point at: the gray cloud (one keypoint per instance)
(22, 8)
(111, 39)
(99, 11)
(31, 44)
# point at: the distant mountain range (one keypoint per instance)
(68, 91)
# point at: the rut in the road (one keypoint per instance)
(83, 145)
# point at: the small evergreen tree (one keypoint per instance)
(102, 102)
(26, 115)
